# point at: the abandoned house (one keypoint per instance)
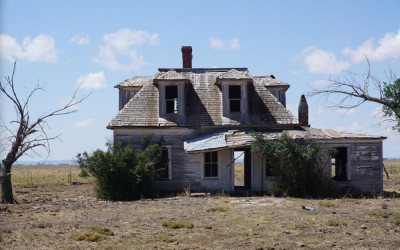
(207, 115)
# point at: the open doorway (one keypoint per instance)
(242, 169)
(339, 164)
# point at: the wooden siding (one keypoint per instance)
(185, 168)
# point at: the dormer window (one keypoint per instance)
(171, 99)
(234, 95)
(235, 99)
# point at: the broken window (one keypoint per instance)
(235, 98)
(339, 164)
(268, 169)
(211, 164)
(171, 98)
(162, 167)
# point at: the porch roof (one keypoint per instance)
(223, 139)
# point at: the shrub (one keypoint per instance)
(123, 173)
(396, 222)
(83, 174)
(385, 214)
(177, 224)
(298, 165)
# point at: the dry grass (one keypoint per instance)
(327, 204)
(55, 216)
(178, 224)
(239, 174)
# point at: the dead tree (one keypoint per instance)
(354, 89)
(23, 136)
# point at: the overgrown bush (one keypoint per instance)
(298, 165)
(123, 173)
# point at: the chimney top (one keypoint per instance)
(187, 56)
(303, 111)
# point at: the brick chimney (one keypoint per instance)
(303, 111)
(187, 56)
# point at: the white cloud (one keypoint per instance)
(124, 38)
(67, 100)
(234, 44)
(40, 49)
(322, 62)
(92, 81)
(376, 112)
(346, 112)
(84, 123)
(321, 82)
(218, 43)
(119, 44)
(108, 59)
(387, 47)
(80, 39)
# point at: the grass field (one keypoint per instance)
(56, 216)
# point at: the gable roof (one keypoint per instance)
(203, 101)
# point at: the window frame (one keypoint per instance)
(163, 101)
(226, 98)
(203, 167)
(169, 165)
(348, 163)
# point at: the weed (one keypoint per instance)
(327, 204)
(88, 236)
(166, 239)
(217, 209)
(396, 222)
(385, 206)
(336, 223)
(178, 224)
(385, 214)
(41, 225)
(101, 230)
(23, 207)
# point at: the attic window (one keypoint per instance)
(235, 97)
(171, 98)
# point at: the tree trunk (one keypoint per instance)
(6, 187)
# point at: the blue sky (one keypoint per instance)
(102, 43)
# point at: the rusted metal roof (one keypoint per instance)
(214, 141)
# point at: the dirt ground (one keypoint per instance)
(51, 217)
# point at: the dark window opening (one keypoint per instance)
(268, 169)
(211, 164)
(161, 168)
(235, 96)
(339, 164)
(171, 97)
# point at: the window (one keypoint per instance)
(211, 164)
(340, 171)
(235, 98)
(171, 99)
(162, 168)
(268, 169)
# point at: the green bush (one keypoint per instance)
(121, 172)
(298, 165)
(83, 174)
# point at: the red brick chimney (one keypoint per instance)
(187, 56)
(303, 111)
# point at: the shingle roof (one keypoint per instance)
(203, 101)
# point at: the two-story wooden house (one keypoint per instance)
(207, 114)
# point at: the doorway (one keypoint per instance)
(242, 168)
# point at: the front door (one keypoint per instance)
(242, 168)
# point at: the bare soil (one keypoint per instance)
(49, 215)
